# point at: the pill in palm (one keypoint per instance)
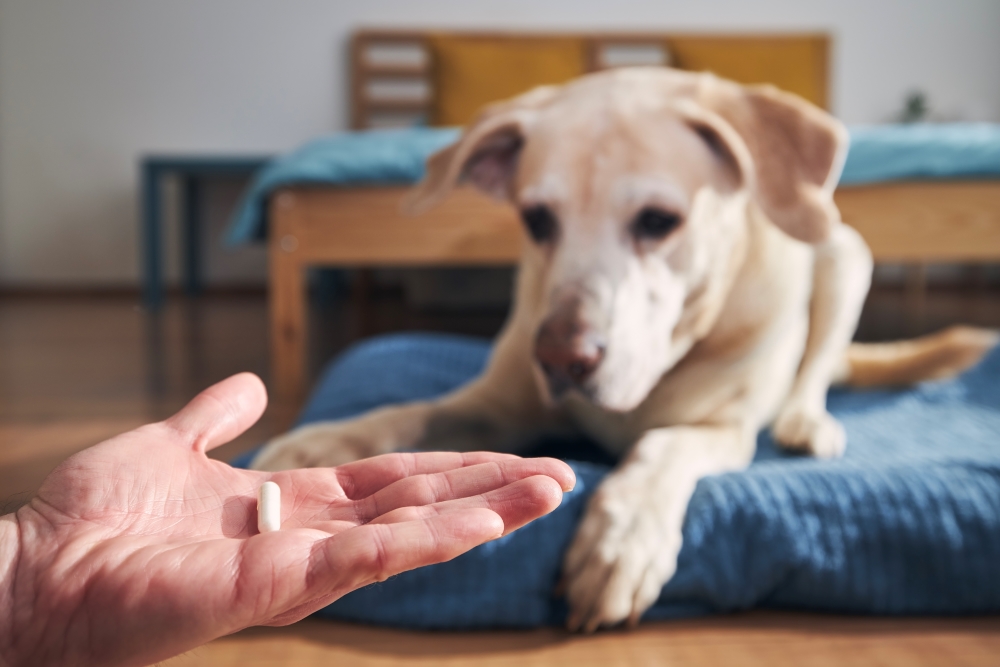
(268, 507)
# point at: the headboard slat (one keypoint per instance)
(795, 61)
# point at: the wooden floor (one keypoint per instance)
(761, 639)
(76, 370)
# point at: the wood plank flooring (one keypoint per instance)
(758, 639)
(76, 370)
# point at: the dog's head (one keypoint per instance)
(633, 186)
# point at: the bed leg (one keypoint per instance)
(287, 302)
(916, 298)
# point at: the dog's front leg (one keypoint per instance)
(467, 419)
(627, 544)
(841, 278)
(496, 411)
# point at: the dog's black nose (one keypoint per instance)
(568, 353)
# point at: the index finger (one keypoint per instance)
(427, 489)
(363, 478)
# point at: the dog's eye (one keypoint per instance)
(540, 223)
(653, 224)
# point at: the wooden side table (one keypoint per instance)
(192, 170)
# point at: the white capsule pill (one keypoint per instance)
(269, 507)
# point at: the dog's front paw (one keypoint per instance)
(314, 446)
(624, 552)
(814, 432)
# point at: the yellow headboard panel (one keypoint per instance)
(470, 72)
(406, 78)
(797, 64)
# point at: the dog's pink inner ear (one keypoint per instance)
(796, 150)
(485, 157)
(492, 165)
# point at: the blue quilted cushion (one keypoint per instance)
(908, 522)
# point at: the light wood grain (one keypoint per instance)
(364, 226)
(360, 227)
(758, 639)
(287, 301)
(914, 221)
(926, 221)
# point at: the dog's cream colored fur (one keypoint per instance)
(739, 318)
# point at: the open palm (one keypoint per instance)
(142, 547)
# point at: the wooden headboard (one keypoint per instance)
(392, 72)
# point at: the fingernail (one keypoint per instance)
(572, 483)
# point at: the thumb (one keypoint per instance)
(221, 412)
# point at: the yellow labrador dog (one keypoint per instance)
(687, 281)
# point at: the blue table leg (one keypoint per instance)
(192, 238)
(152, 235)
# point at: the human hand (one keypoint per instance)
(142, 547)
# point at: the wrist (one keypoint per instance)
(10, 550)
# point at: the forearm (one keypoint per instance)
(10, 548)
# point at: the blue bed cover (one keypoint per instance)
(878, 153)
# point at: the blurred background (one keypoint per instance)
(93, 93)
(134, 272)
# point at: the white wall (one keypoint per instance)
(87, 85)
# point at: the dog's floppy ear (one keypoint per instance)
(797, 151)
(485, 155)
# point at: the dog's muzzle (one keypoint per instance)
(568, 351)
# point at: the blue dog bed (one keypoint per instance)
(908, 522)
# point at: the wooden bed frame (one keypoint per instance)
(909, 222)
